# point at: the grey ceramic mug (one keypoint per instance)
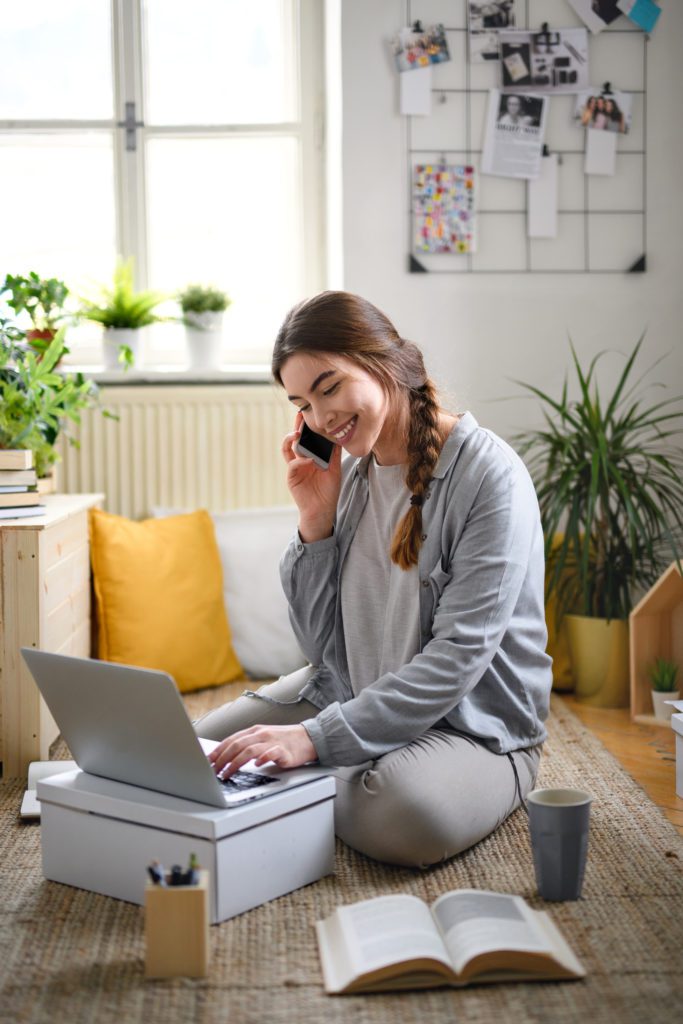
(558, 824)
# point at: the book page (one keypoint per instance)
(388, 930)
(474, 921)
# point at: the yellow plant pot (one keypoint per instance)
(599, 655)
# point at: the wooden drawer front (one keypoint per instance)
(67, 619)
(65, 577)
(64, 538)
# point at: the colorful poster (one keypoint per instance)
(444, 204)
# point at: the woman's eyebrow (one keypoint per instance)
(318, 379)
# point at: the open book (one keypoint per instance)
(469, 935)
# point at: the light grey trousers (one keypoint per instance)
(415, 806)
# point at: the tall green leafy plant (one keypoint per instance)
(609, 478)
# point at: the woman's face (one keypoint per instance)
(609, 106)
(338, 399)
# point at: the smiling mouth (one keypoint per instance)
(339, 435)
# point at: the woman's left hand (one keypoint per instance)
(289, 746)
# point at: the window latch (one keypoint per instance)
(131, 125)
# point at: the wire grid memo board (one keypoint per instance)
(601, 225)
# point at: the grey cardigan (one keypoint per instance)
(482, 667)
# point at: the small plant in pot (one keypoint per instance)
(608, 471)
(42, 299)
(663, 678)
(123, 312)
(203, 307)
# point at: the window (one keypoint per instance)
(188, 136)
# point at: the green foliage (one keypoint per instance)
(198, 298)
(35, 401)
(121, 306)
(42, 298)
(663, 675)
(609, 478)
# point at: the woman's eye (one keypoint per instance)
(331, 391)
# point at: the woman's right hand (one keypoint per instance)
(315, 490)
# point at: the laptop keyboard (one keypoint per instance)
(241, 781)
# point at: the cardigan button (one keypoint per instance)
(425, 583)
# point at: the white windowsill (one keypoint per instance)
(229, 373)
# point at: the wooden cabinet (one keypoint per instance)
(44, 603)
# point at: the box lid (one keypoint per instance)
(90, 793)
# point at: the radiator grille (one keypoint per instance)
(213, 446)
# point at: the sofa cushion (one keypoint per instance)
(251, 542)
(159, 593)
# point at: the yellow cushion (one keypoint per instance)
(159, 594)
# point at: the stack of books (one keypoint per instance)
(18, 485)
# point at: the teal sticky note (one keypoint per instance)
(644, 13)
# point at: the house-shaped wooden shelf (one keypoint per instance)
(656, 631)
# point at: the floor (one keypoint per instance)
(647, 752)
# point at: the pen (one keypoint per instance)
(156, 873)
(191, 876)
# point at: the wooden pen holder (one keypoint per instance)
(177, 929)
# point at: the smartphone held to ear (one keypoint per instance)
(314, 446)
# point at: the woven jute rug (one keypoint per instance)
(70, 955)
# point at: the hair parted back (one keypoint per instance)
(347, 325)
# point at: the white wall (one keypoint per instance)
(478, 330)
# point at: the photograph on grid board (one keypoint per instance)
(413, 49)
(596, 14)
(604, 111)
(483, 22)
(550, 61)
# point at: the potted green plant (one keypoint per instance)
(203, 307)
(663, 678)
(36, 402)
(609, 478)
(123, 311)
(42, 298)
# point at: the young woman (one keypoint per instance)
(415, 586)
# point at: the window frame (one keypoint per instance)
(132, 227)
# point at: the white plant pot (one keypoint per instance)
(663, 711)
(113, 338)
(204, 340)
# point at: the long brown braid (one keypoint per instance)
(424, 447)
(343, 324)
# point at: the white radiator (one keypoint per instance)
(202, 446)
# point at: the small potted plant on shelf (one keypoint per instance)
(203, 307)
(123, 312)
(42, 298)
(663, 678)
(36, 402)
(609, 478)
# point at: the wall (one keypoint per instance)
(479, 331)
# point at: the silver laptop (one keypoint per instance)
(130, 724)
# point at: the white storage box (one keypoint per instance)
(101, 835)
(677, 726)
